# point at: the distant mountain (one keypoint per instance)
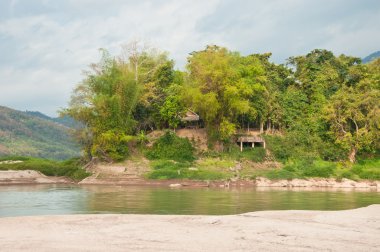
(65, 120)
(371, 57)
(34, 134)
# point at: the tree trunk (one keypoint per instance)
(352, 155)
(269, 126)
(261, 127)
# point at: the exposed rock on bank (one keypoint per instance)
(317, 182)
(30, 177)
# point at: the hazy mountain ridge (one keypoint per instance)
(34, 134)
(65, 120)
(371, 57)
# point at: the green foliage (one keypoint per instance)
(166, 169)
(172, 147)
(323, 106)
(112, 144)
(353, 113)
(280, 174)
(70, 168)
(303, 168)
(256, 154)
(367, 169)
(171, 111)
(221, 83)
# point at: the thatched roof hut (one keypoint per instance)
(190, 116)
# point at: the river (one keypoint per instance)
(25, 200)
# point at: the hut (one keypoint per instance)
(250, 141)
(191, 119)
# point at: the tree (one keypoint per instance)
(154, 73)
(354, 116)
(104, 103)
(217, 90)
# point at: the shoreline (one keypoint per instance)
(30, 177)
(346, 230)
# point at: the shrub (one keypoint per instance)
(172, 147)
(367, 169)
(279, 147)
(111, 144)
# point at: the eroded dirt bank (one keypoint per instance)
(351, 230)
(11, 177)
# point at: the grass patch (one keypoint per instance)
(367, 169)
(252, 154)
(70, 168)
(169, 169)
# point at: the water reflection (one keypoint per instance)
(53, 199)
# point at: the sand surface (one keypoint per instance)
(350, 230)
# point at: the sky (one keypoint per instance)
(45, 45)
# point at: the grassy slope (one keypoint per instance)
(174, 159)
(28, 135)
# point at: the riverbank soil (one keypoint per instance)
(350, 230)
(30, 177)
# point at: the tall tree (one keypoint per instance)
(217, 90)
(104, 103)
(354, 115)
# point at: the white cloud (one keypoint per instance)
(45, 48)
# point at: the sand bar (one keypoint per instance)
(349, 230)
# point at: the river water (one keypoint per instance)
(62, 199)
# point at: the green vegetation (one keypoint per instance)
(167, 169)
(315, 113)
(70, 168)
(172, 147)
(28, 134)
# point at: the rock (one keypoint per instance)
(175, 185)
(193, 169)
(300, 183)
(261, 181)
(280, 183)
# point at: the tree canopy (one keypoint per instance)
(318, 101)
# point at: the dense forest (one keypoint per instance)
(318, 105)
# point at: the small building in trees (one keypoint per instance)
(190, 119)
(250, 142)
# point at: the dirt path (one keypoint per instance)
(352, 230)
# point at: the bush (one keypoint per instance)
(331, 152)
(172, 147)
(279, 147)
(112, 144)
(310, 167)
(367, 169)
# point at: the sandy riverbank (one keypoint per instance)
(351, 230)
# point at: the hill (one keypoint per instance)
(34, 134)
(65, 120)
(371, 57)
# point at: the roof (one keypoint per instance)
(190, 116)
(250, 139)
